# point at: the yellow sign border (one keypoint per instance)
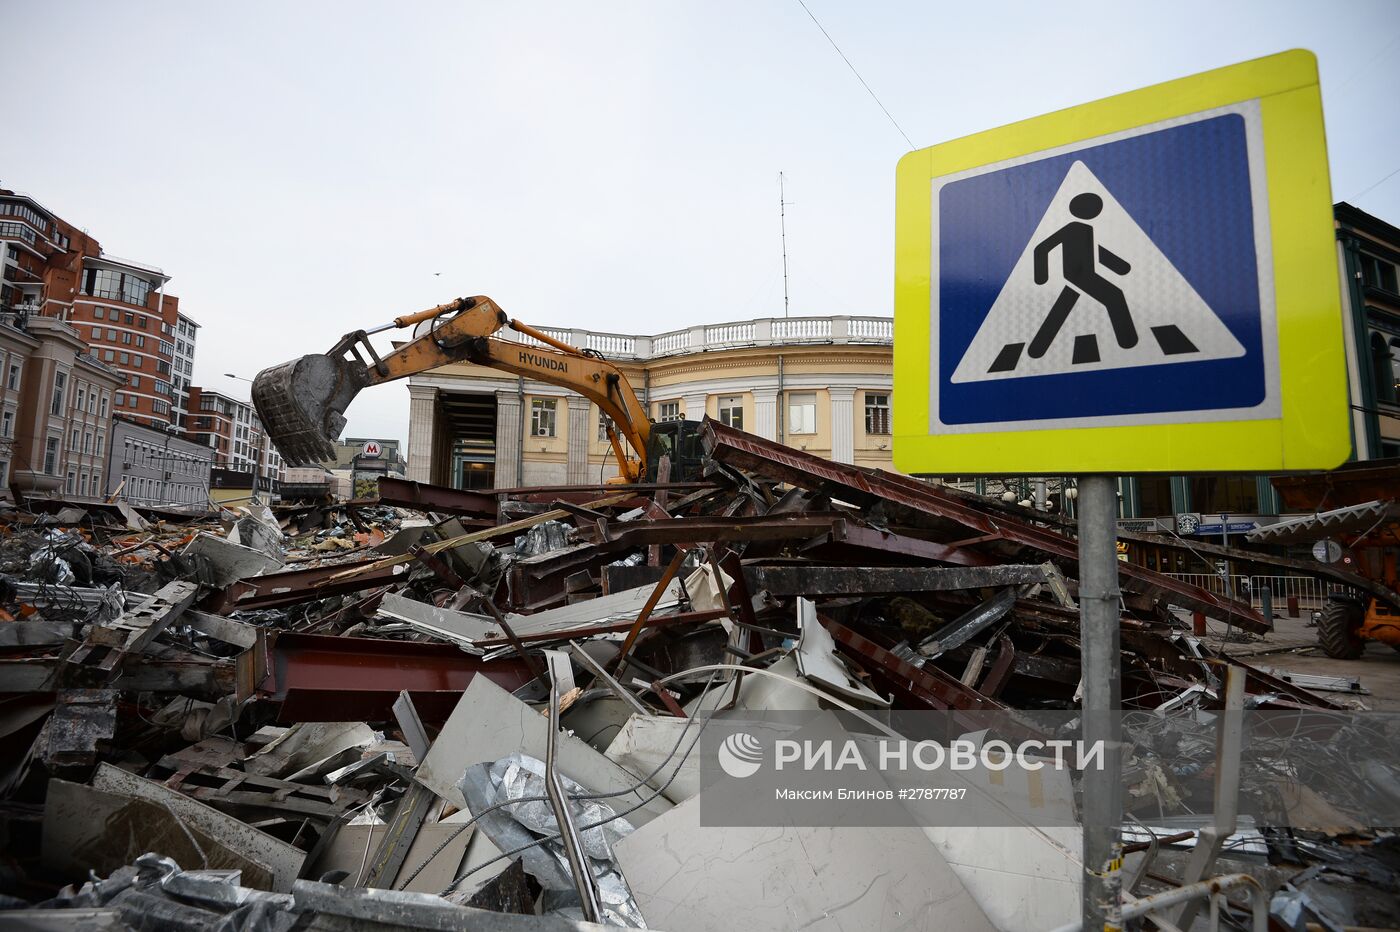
(1313, 431)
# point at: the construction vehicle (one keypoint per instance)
(302, 403)
(1354, 523)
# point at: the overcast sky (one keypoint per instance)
(304, 169)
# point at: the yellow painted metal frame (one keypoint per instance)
(1313, 431)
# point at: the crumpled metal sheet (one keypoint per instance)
(517, 776)
(45, 562)
(155, 893)
(542, 538)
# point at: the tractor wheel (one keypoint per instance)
(1337, 630)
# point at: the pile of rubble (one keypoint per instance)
(453, 709)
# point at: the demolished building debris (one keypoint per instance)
(469, 709)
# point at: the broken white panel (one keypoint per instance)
(346, 852)
(1041, 860)
(705, 594)
(87, 829)
(692, 878)
(307, 743)
(645, 741)
(134, 522)
(461, 628)
(489, 723)
(1026, 879)
(282, 859)
(259, 529)
(761, 693)
(229, 561)
(818, 662)
(604, 610)
(466, 628)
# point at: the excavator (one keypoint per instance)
(302, 403)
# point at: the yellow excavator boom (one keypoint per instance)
(302, 403)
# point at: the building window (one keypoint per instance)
(82, 400)
(731, 411)
(87, 442)
(802, 413)
(135, 383)
(82, 484)
(1385, 366)
(106, 283)
(51, 456)
(668, 411)
(141, 322)
(4, 472)
(108, 355)
(102, 408)
(7, 424)
(126, 338)
(1154, 497)
(877, 413)
(604, 422)
(140, 341)
(60, 382)
(111, 334)
(99, 313)
(125, 359)
(1214, 495)
(542, 417)
(99, 445)
(72, 483)
(13, 382)
(1377, 273)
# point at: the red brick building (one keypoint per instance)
(231, 429)
(118, 307)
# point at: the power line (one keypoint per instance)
(882, 107)
(1375, 186)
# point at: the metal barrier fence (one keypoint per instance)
(1310, 591)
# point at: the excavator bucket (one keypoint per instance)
(302, 404)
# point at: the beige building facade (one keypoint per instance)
(55, 410)
(820, 384)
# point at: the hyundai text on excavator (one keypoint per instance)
(302, 403)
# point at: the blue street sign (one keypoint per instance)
(1114, 282)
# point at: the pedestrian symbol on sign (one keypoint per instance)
(1113, 300)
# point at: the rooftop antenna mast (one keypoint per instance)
(782, 222)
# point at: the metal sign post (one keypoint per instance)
(1181, 233)
(1098, 647)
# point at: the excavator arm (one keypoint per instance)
(302, 403)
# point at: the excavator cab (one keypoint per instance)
(679, 440)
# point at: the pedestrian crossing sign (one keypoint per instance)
(1146, 283)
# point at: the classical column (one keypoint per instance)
(843, 433)
(765, 413)
(695, 406)
(422, 418)
(508, 439)
(578, 440)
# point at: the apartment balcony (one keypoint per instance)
(9, 229)
(764, 332)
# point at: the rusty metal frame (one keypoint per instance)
(867, 488)
(293, 587)
(329, 678)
